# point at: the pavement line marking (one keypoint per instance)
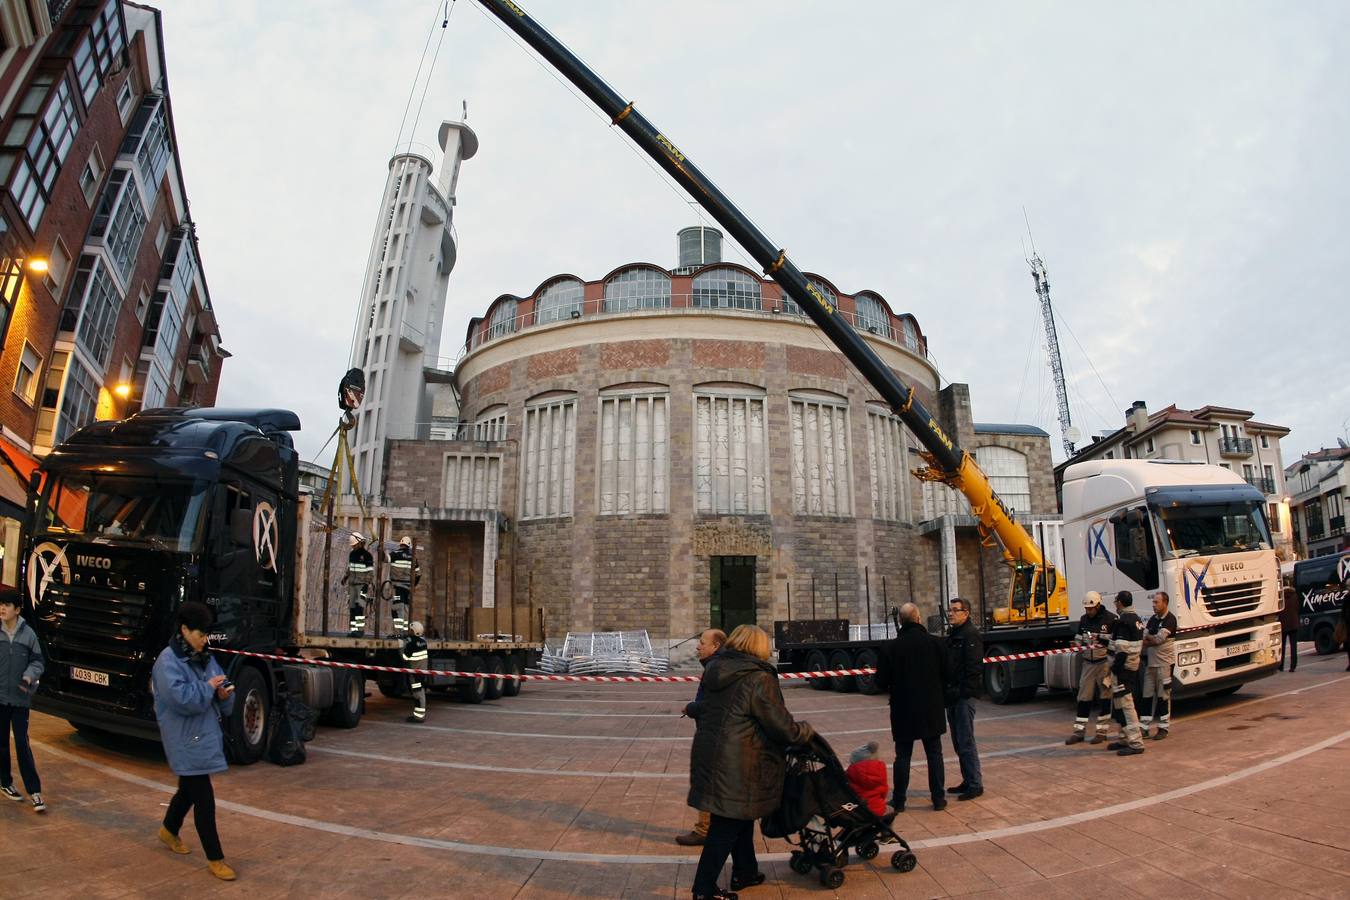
(643, 859)
(681, 704)
(442, 764)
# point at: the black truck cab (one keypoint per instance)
(133, 517)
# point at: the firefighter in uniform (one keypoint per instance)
(1094, 680)
(404, 573)
(415, 657)
(1162, 657)
(360, 571)
(1127, 640)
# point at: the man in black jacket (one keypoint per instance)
(965, 664)
(913, 667)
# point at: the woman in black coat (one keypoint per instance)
(737, 764)
(913, 667)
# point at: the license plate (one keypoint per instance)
(89, 675)
(1239, 649)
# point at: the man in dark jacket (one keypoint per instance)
(20, 669)
(913, 667)
(965, 664)
(1289, 615)
(709, 643)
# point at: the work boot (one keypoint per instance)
(1117, 745)
(740, 883)
(220, 870)
(1076, 738)
(1161, 735)
(1129, 751)
(1097, 739)
(172, 841)
(692, 839)
(940, 804)
(971, 793)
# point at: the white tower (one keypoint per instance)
(398, 336)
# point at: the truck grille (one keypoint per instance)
(98, 629)
(1232, 599)
(97, 614)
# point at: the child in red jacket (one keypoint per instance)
(867, 776)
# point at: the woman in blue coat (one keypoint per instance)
(191, 696)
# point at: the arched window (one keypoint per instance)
(911, 334)
(1007, 471)
(637, 288)
(726, 289)
(871, 315)
(559, 300)
(503, 320)
(792, 307)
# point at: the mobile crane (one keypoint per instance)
(1038, 592)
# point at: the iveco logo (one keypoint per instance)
(93, 562)
(1230, 567)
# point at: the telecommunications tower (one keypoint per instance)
(1038, 275)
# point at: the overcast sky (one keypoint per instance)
(1182, 165)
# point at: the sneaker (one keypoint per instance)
(1097, 739)
(958, 789)
(739, 884)
(38, 805)
(971, 793)
(1117, 745)
(1075, 738)
(8, 791)
(1161, 735)
(1129, 751)
(692, 839)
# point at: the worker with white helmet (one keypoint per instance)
(415, 657)
(404, 574)
(1094, 680)
(360, 572)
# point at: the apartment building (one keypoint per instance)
(1319, 486)
(104, 308)
(1219, 435)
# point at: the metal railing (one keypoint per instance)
(1264, 485)
(894, 332)
(1335, 525)
(1233, 446)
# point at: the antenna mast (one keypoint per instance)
(1038, 275)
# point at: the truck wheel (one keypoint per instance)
(998, 677)
(248, 720)
(472, 690)
(842, 659)
(393, 687)
(492, 687)
(1324, 640)
(350, 701)
(512, 686)
(867, 659)
(816, 661)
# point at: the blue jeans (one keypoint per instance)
(961, 720)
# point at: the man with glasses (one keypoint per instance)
(965, 666)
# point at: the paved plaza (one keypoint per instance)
(578, 791)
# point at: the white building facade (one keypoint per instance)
(1319, 486)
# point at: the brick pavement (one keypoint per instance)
(526, 797)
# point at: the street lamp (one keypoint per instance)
(37, 265)
(122, 390)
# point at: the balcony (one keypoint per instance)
(1232, 446)
(411, 338)
(1264, 485)
(198, 363)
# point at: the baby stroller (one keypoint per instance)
(824, 817)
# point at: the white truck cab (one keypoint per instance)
(1196, 531)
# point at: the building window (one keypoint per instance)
(471, 481)
(46, 141)
(1265, 442)
(161, 237)
(941, 500)
(142, 304)
(634, 458)
(503, 321)
(1274, 514)
(730, 452)
(887, 458)
(91, 175)
(549, 457)
(78, 402)
(92, 308)
(124, 97)
(11, 284)
(871, 315)
(155, 386)
(792, 307)
(1111, 454)
(26, 379)
(910, 331)
(820, 461)
(1195, 437)
(1270, 479)
(1148, 445)
(58, 267)
(96, 55)
(491, 424)
(637, 288)
(1007, 471)
(163, 328)
(120, 221)
(560, 300)
(724, 288)
(147, 141)
(1312, 513)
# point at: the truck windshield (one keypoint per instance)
(166, 514)
(1212, 528)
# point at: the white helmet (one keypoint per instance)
(405, 541)
(1092, 600)
(357, 538)
(416, 628)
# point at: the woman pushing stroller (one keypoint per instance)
(738, 763)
